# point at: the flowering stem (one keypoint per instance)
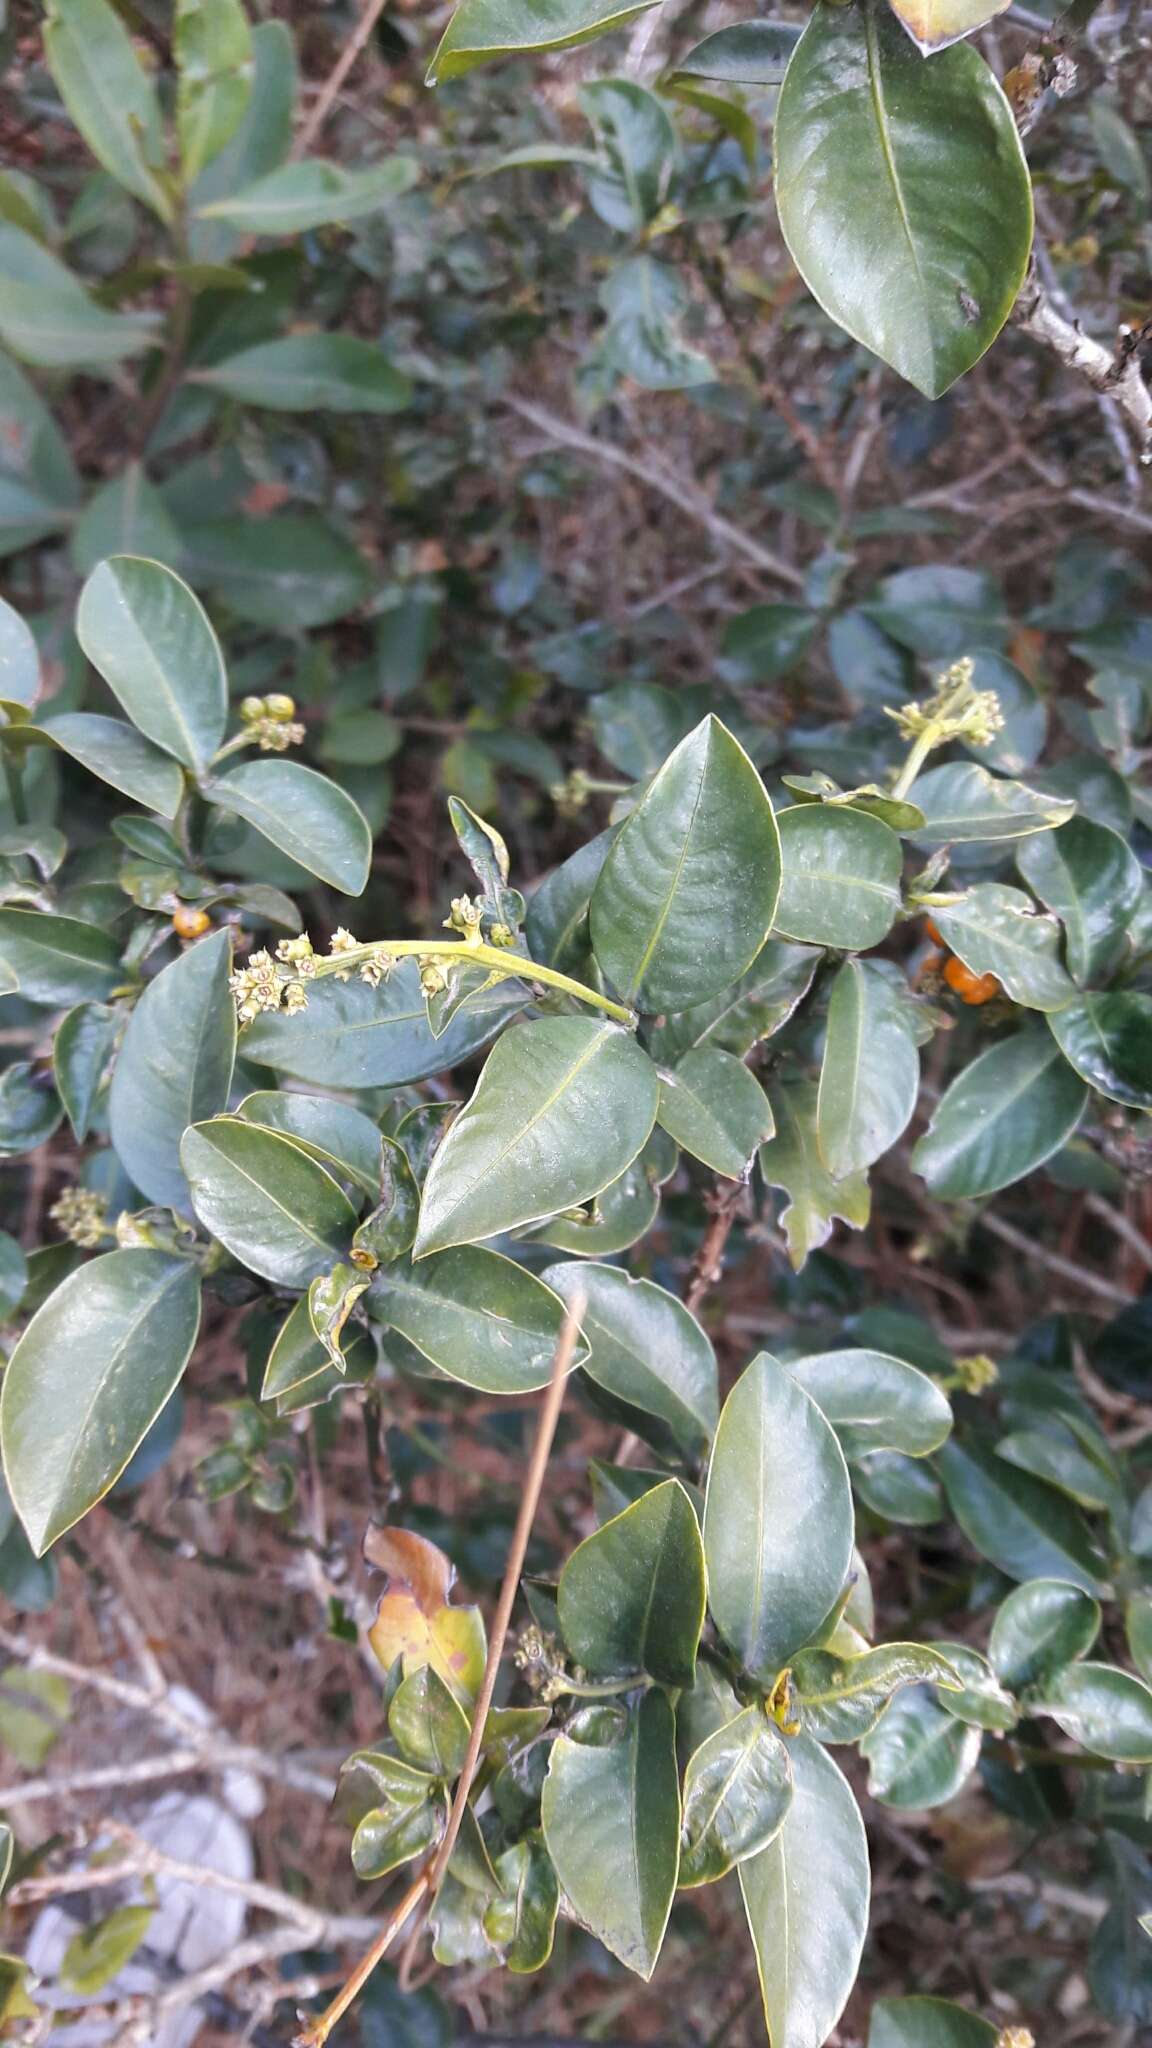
(509, 966)
(917, 755)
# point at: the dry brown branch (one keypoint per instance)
(329, 91)
(1081, 1276)
(423, 1889)
(1115, 375)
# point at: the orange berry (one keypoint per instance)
(931, 932)
(971, 988)
(188, 923)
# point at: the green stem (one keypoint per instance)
(510, 967)
(917, 755)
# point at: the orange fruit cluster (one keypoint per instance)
(971, 988)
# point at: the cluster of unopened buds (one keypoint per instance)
(81, 1215)
(540, 1658)
(267, 983)
(271, 723)
(954, 711)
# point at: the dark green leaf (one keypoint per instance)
(212, 44)
(311, 372)
(1093, 881)
(562, 1107)
(611, 1811)
(840, 1698)
(271, 1205)
(1108, 1040)
(688, 891)
(874, 1402)
(174, 1067)
(737, 1790)
(80, 1053)
(647, 1349)
(777, 1519)
(522, 1920)
(963, 802)
(429, 1724)
(121, 756)
(747, 53)
(926, 288)
(1022, 1526)
(340, 1137)
(870, 1074)
(153, 644)
(353, 1036)
(1007, 1113)
(312, 194)
(841, 883)
(919, 1756)
(110, 96)
(791, 1161)
(1042, 1626)
(1106, 1710)
(928, 2023)
(996, 930)
(58, 959)
(482, 30)
(307, 816)
(476, 1316)
(715, 1109)
(88, 1379)
(753, 1009)
(288, 573)
(632, 1594)
(806, 1897)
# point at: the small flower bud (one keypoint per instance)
(252, 708)
(279, 706)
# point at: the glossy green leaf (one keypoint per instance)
(87, 1380)
(918, 1755)
(39, 482)
(1138, 1629)
(874, 1402)
(778, 1526)
(1042, 1626)
(110, 96)
(478, 1317)
(121, 756)
(29, 1110)
(80, 1053)
(307, 816)
(1054, 1449)
(747, 53)
(898, 1488)
(791, 1161)
(632, 1594)
(19, 658)
(975, 1694)
(806, 1897)
(715, 1109)
(340, 1137)
(687, 894)
(1022, 1526)
(839, 1699)
(153, 644)
(562, 1107)
(611, 1812)
(126, 515)
(522, 1920)
(737, 1790)
(928, 2023)
(312, 194)
(621, 1214)
(410, 1820)
(174, 1067)
(1092, 880)
(962, 802)
(48, 317)
(647, 1349)
(430, 1725)
(260, 143)
(1104, 1709)
(756, 1006)
(331, 1299)
(841, 883)
(212, 44)
(926, 288)
(997, 930)
(482, 30)
(299, 1372)
(58, 959)
(1008, 1112)
(870, 1073)
(1108, 1040)
(272, 1206)
(353, 1036)
(310, 373)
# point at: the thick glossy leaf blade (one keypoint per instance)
(918, 1754)
(562, 1107)
(632, 1594)
(928, 2023)
(87, 1380)
(791, 1161)
(806, 1897)
(996, 930)
(1108, 1040)
(272, 1206)
(647, 1349)
(1004, 1115)
(874, 1402)
(1106, 1710)
(612, 1826)
(312, 194)
(870, 1075)
(1022, 1525)
(841, 883)
(839, 1699)
(57, 959)
(153, 644)
(311, 372)
(737, 1790)
(962, 803)
(687, 895)
(478, 1317)
(1042, 1626)
(747, 53)
(352, 1036)
(339, 1136)
(867, 137)
(741, 1017)
(1092, 880)
(715, 1109)
(80, 1054)
(482, 30)
(121, 756)
(307, 816)
(212, 43)
(777, 1519)
(174, 1068)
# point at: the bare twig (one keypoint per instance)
(424, 1887)
(1123, 1227)
(1116, 375)
(1081, 1276)
(329, 91)
(679, 490)
(724, 1205)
